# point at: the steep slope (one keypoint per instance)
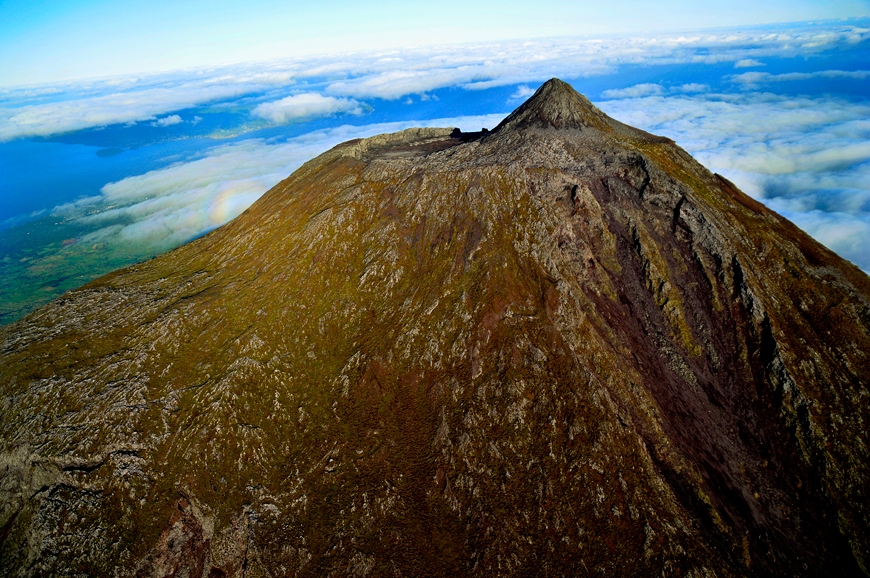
(564, 348)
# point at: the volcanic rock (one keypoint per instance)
(560, 348)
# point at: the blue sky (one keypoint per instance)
(127, 129)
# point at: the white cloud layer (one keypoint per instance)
(762, 77)
(522, 92)
(71, 115)
(652, 89)
(167, 120)
(808, 158)
(43, 111)
(638, 90)
(692, 87)
(748, 63)
(307, 104)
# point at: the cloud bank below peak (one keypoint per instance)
(754, 78)
(51, 118)
(392, 75)
(304, 105)
(636, 91)
(167, 120)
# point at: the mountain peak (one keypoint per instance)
(557, 105)
(561, 350)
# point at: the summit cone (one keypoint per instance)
(557, 105)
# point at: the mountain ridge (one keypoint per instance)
(563, 347)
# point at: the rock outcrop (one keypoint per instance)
(560, 348)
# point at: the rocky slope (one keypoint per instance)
(562, 348)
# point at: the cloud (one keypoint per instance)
(167, 120)
(649, 89)
(638, 90)
(692, 87)
(163, 208)
(123, 107)
(753, 78)
(844, 233)
(748, 63)
(307, 104)
(394, 84)
(479, 66)
(394, 75)
(24, 96)
(522, 92)
(806, 157)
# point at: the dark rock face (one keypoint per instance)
(560, 348)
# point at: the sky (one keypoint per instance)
(127, 129)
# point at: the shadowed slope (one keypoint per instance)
(563, 349)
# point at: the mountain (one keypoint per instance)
(559, 348)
